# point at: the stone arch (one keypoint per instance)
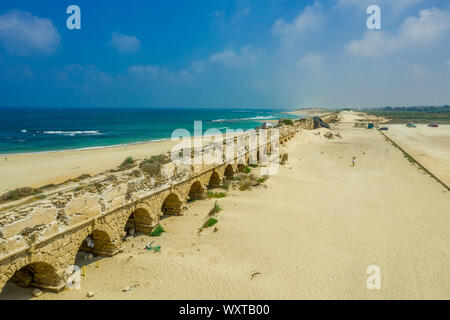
(171, 205)
(98, 242)
(139, 220)
(241, 168)
(38, 274)
(229, 171)
(214, 180)
(196, 191)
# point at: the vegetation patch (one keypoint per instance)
(216, 209)
(210, 222)
(225, 186)
(19, 193)
(152, 166)
(287, 122)
(157, 232)
(211, 194)
(128, 163)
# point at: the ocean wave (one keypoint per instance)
(73, 133)
(245, 119)
(259, 118)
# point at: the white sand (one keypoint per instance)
(39, 169)
(429, 146)
(311, 234)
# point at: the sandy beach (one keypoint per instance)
(40, 169)
(311, 233)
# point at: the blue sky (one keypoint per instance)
(235, 53)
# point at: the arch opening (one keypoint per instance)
(34, 275)
(196, 192)
(98, 243)
(171, 205)
(241, 168)
(229, 172)
(139, 221)
(214, 180)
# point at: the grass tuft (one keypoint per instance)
(211, 194)
(157, 232)
(210, 222)
(216, 209)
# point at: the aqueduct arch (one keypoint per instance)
(196, 191)
(139, 220)
(214, 180)
(99, 243)
(229, 171)
(37, 274)
(171, 205)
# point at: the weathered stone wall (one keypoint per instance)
(42, 238)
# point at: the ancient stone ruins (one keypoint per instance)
(41, 236)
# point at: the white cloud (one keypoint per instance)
(309, 19)
(424, 31)
(311, 62)
(124, 43)
(23, 34)
(428, 27)
(246, 56)
(373, 44)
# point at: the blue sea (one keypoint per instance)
(24, 130)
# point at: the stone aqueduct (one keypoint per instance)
(40, 240)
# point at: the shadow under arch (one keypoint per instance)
(34, 275)
(214, 180)
(98, 243)
(140, 221)
(196, 192)
(171, 205)
(229, 171)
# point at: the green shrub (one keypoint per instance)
(247, 170)
(211, 194)
(157, 232)
(288, 122)
(225, 186)
(261, 180)
(216, 209)
(210, 222)
(152, 166)
(127, 161)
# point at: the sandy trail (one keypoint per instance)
(311, 234)
(429, 146)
